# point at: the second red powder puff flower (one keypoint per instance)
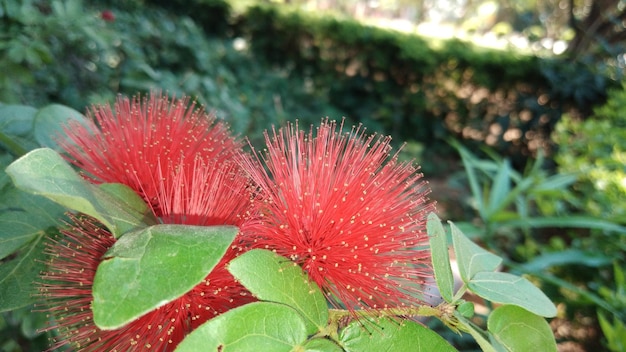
(349, 213)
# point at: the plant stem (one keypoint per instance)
(440, 311)
(339, 318)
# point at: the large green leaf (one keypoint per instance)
(17, 120)
(271, 277)
(255, 327)
(148, 268)
(470, 257)
(565, 257)
(440, 257)
(507, 288)
(16, 125)
(385, 334)
(44, 172)
(23, 217)
(49, 122)
(18, 275)
(518, 330)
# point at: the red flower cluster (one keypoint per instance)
(140, 143)
(107, 16)
(179, 159)
(334, 202)
(353, 218)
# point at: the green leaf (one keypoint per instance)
(44, 172)
(470, 257)
(282, 281)
(440, 257)
(585, 222)
(478, 334)
(254, 327)
(148, 268)
(31, 320)
(16, 229)
(615, 332)
(565, 257)
(518, 330)
(500, 189)
(469, 161)
(391, 335)
(507, 288)
(321, 345)
(466, 309)
(23, 217)
(127, 201)
(49, 122)
(566, 285)
(13, 145)
(18, 275)
(17, 120)
(16, 125)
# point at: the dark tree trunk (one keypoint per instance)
(601, 32)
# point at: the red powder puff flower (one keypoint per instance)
(107, 15)
(178, 160)
(353, 218)
(141, 139)
(68, 281)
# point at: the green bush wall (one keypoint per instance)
(424, 90)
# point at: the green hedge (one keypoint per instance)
(423, 90)
(415, 89)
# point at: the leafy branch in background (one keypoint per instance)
(512, 208)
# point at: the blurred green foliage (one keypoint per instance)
(90, 54)
(595, 149)
(535, 220)
(425, 90)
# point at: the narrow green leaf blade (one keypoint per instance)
(518, 330)
(255, 327)
(470, 257)
(124, 207)
(500, 189)
(506, 288)
(390, 335)
(469, 162)
(565, 257)
(282, 281)
(440, 257)
(148, 268)
(586, 222)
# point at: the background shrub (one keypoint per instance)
(595, 149)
